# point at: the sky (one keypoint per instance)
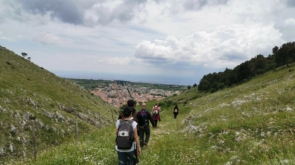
(157, 41)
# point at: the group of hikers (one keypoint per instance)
(133, 130)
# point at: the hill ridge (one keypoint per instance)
(27, 91)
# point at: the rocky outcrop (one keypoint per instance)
(20, 128)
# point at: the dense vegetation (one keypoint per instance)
(248, 69)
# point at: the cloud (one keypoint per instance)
(168, 37)
(2, 37)
(92, 12)
(47, 38)
(199, 4)
(286, 27)
(121, 10)
(290, 3)
(80, 12)
(175, 6)
(115, 61)
(10, 38)
(224, 47)
(65, 10)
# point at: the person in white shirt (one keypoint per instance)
(128, 156)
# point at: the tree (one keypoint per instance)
(204, 85)
(260, 64)
(24, 54)
(189, 87)
(285, 54)
(248, 69)
(275, 50)
(195, 85)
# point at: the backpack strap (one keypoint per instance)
(125, 121)
(130, 122)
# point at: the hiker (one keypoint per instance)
(131, 104)
(156, 114)
(143, 117)
(175, 111)
(127, 142)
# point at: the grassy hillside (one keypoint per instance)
(253, 123)
(26, 91)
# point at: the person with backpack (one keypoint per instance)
(131, 104)
(144, 117)
(175, 111)
(156, 114)
(127, 139)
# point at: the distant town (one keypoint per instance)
(117, 94)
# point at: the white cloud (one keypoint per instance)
(290, 21)
(286, 27)
(224, 47)
(115, 61)
(10, 38)
(117, 10)
(47, 38)
(168, 37)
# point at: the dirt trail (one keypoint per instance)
(157, 133)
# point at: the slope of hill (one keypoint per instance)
(253, 123)
(28, 91)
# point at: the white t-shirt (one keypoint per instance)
(134, 124)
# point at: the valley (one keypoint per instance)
(117, 92)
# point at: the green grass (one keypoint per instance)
(252, 123)
(27, 89)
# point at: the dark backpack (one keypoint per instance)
(125, 135)
(143, 113)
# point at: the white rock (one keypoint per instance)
(289, 109)
(41, 123)
(238, 102)
(23, 124)
(48, 114)
(17, 115)
(11, 147)
(2, 151)
(24, 153)
(59, 116)
(223, 105)
(12, 128)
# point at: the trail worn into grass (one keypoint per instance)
(165, 142)
(157, 133)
